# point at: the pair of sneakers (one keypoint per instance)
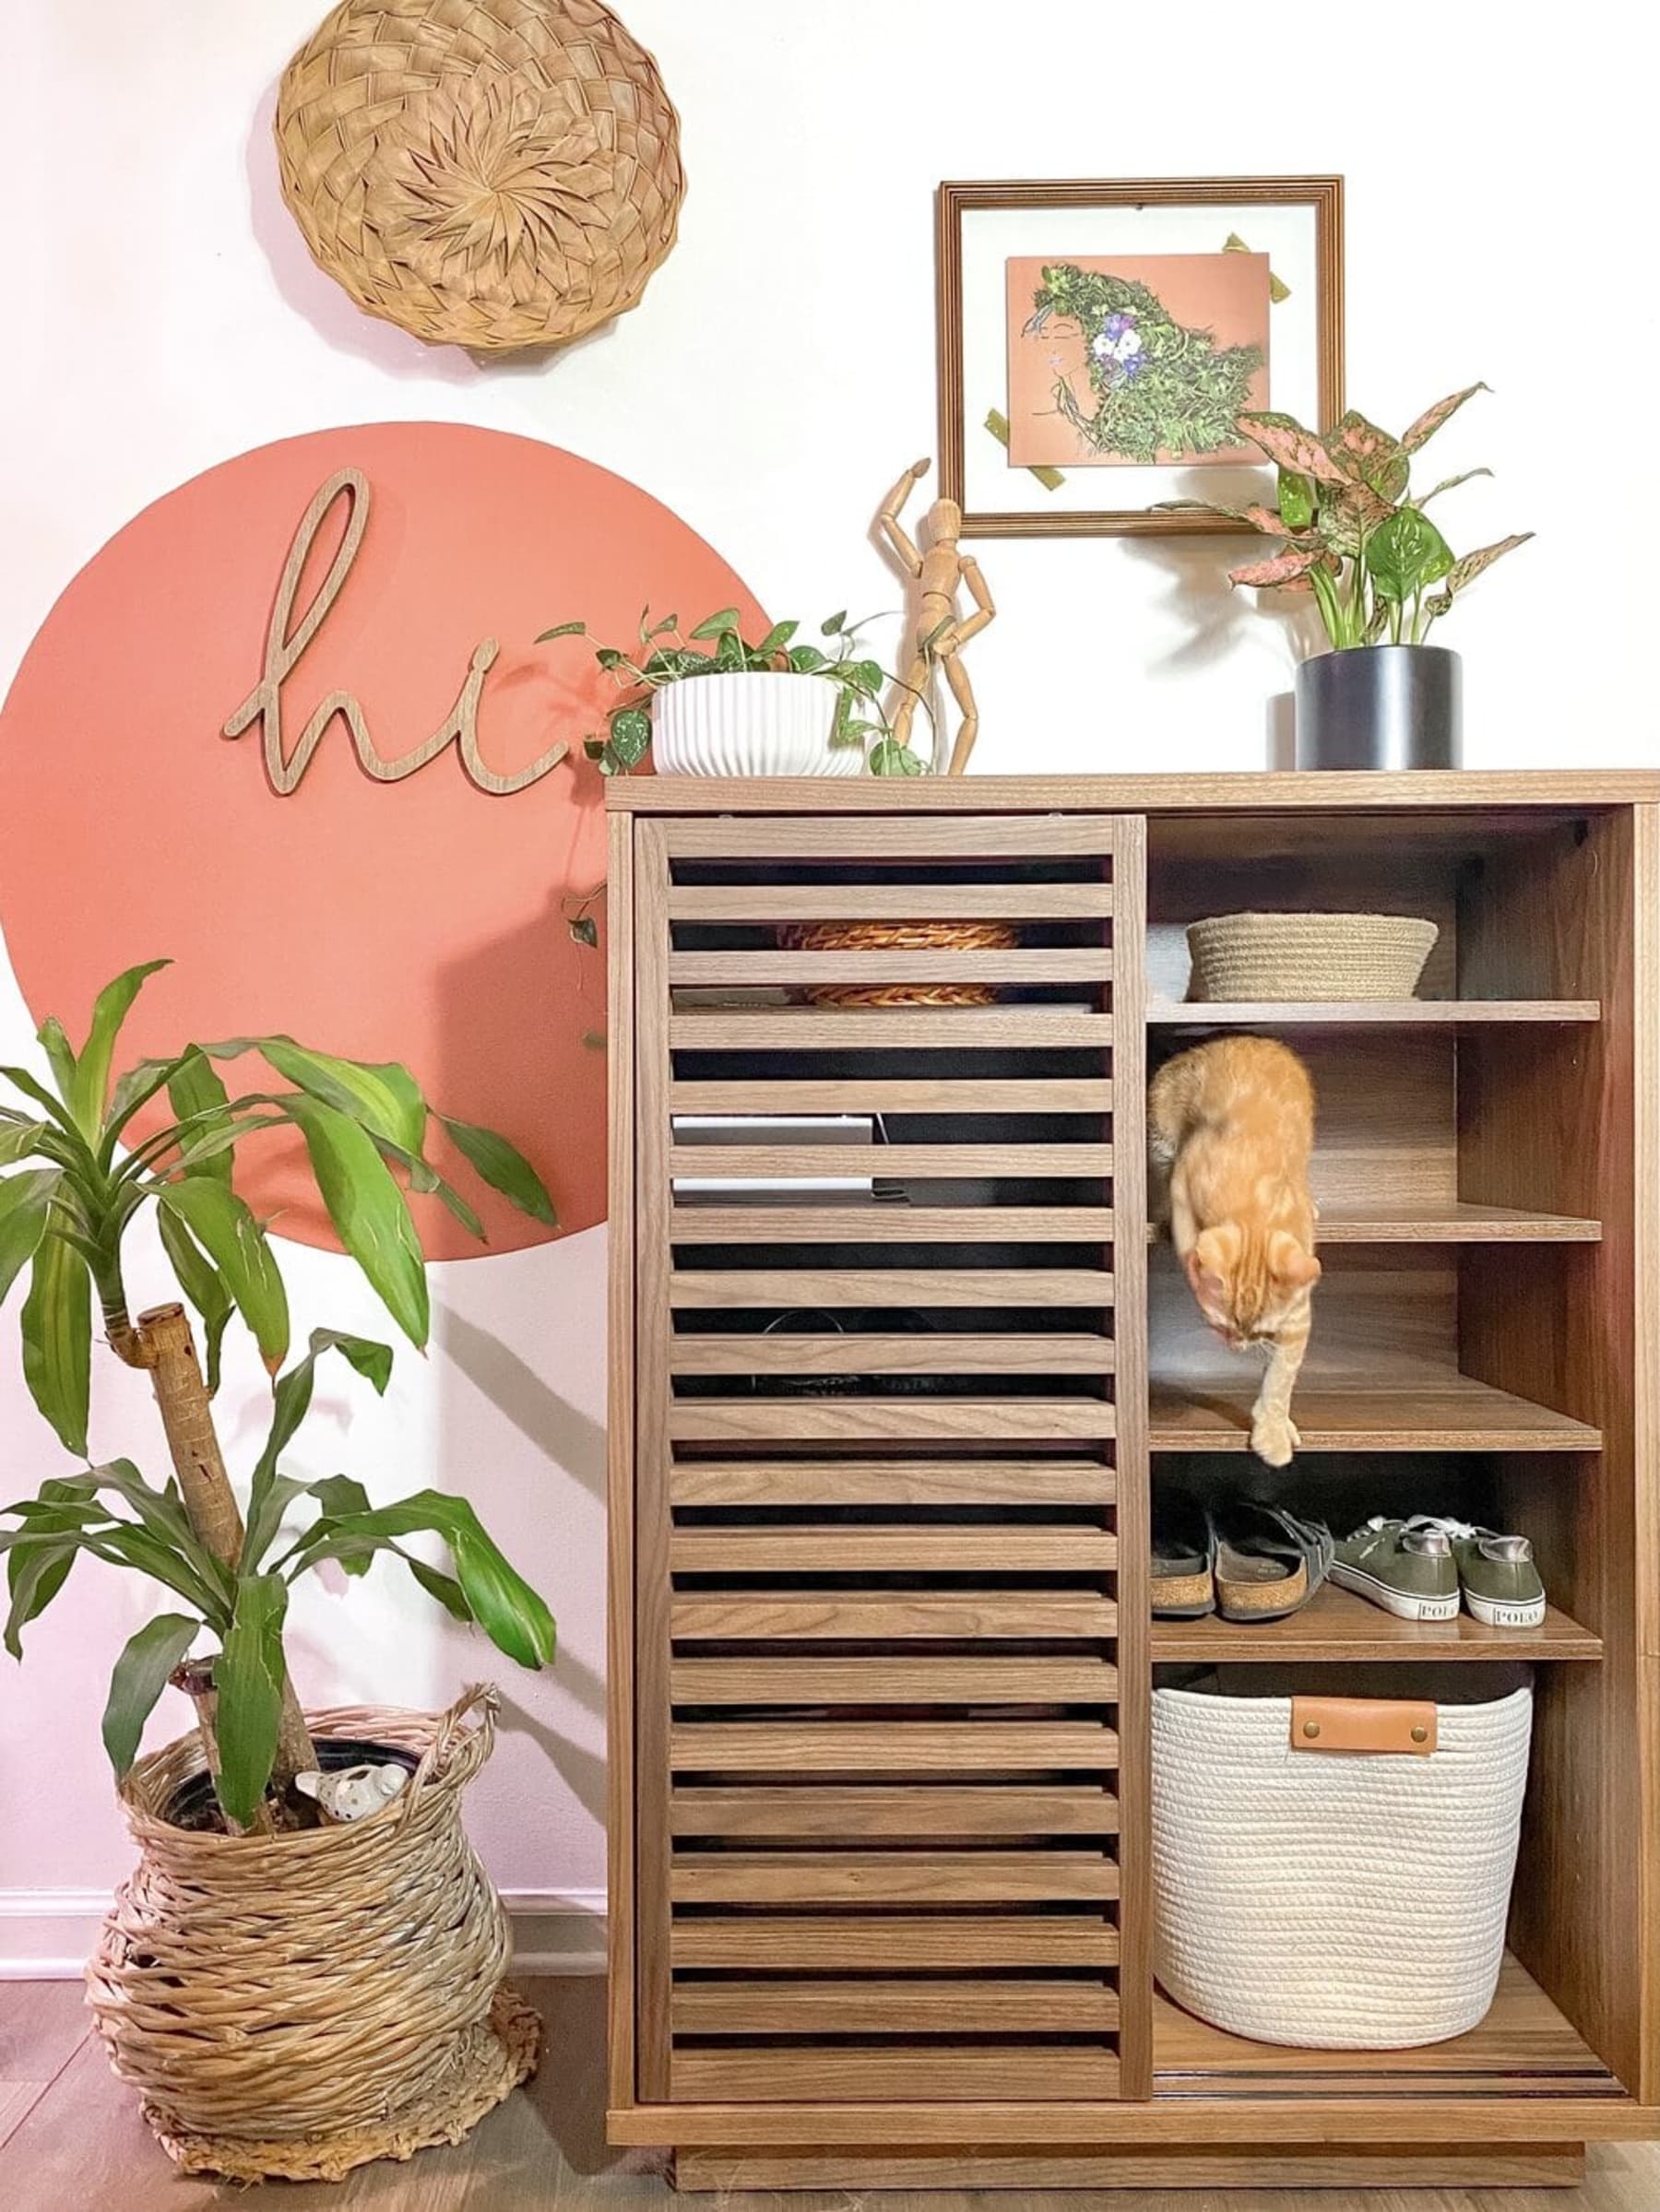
(1423, 1568)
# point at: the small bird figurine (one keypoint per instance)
(352, 1792)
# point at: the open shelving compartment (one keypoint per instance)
(1473, 1171)
(883, 1448)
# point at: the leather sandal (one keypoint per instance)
(1268, 1563)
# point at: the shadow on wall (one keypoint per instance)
(334, 315)
(522, 1339)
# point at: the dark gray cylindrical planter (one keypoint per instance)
(1379, 707)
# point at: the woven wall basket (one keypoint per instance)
(297, 2006)
(487, 173)
(1316, 956)
(899, 937)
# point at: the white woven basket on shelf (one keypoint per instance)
(1337, 1902)
(1318, 956)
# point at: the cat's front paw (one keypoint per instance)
(1274, 1439)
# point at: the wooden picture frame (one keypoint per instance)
(966, 270)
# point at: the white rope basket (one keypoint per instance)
(1349, 1900)
(1330, 956)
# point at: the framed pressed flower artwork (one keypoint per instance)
(1097, 342)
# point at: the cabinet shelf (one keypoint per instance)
(1524, 2047)
(1344, 1013)
(1336, 1626)
(1446, 1413)
(1456, 1223)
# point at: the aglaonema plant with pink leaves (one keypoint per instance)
(1354, 533)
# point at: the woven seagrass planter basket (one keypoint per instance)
(487, 173)
(297, 2006)
(899, 937)
(1318, 956)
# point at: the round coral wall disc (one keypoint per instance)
(425, 920)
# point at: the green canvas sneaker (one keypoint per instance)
(1501, 1585)
(1406, 1566)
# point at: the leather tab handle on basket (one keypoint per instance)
(1376, 1724)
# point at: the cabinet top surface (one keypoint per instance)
(1245, 792)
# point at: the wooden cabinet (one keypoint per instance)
(897, 1360)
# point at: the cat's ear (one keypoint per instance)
(1290, 1262)
(1214, 1254)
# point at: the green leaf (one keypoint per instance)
(585, 931)
(248, 1677)
(426, 1179)
(562, 630)
(1450, 483)
(194, 1088)
(386, 1098)
(832, 625)
(340, 1495)
(57, 1339)
(92, 1070)
(19, 1139)
(630, 734)
(140, 1677)
(369, 1211)
(1473, 564)
(806, 660)
(1285, 441)
(503, 1168)
(507, 1608)
(290, 1404)
(444, 1588)
(717, 625)
(777, 637)
(1295, 500)
(891, 758)
(863, 676)
(25, 1203)
(202, 1285)
(60, 1055)
(226, 1229)
(136, 1088)
(1405, 553)
(33, 1579)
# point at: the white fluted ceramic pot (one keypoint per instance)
(749, 723)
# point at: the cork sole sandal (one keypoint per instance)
(1269, 1564)
(1183, 1585)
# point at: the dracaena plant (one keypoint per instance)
(1355, 533)
(717, 646)
(73, 1181)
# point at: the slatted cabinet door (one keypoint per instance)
(891, 1474)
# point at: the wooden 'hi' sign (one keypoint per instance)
(286, 643)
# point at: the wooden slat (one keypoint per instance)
(894, 1877)
(890, 1482)
(892, 1163)
(927, 902)
(1413, 1013)
(895, 1420)
(854, 1616)
(893, 1680)
(899, 1095)
(1070, 963)
(889, 1746)
(807, 1028)
(620, 1464)
(961, 2075)
(934, 1353)
(706, 1290)
(891, 1941)
(1455, 1223)
(895, 838)
(821, 2008)
(895, 1809)
(873, 1223)
(897, 1551)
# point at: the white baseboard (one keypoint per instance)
(46, 1934)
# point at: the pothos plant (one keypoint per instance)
(74, 1180)
(717, 646)
(1354, 534)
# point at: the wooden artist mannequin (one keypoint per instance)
(940, 632)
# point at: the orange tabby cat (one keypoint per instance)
(1234, 1121)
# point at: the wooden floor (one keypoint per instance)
(71, 2141)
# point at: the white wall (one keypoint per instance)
(163, 316)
